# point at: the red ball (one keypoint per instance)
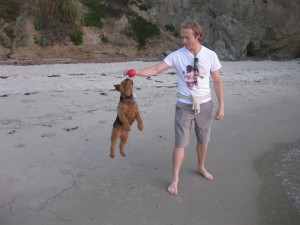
(131, 72)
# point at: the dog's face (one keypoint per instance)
(126, 87)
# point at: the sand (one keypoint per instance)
(55, 127)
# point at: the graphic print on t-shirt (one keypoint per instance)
(191, 76)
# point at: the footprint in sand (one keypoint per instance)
(9, 121)
(31, 93)
(70, 129)
(48, 135)
(12, 132)
(20, 145)
(55, 75)
(28, 101)
(233, 133)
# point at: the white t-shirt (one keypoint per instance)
(190, 82)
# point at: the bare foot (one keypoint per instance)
(205, 174)
(172, 189)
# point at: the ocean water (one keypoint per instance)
(280, 195)
(290, 174)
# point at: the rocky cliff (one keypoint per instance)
(235, 29)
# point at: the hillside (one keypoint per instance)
(36, 31)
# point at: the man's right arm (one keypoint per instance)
(152, 70)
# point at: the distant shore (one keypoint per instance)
(116, 59)
(76, 61)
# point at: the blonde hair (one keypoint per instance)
(194, 26)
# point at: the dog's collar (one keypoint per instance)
(123, 97)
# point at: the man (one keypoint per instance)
(194, 64)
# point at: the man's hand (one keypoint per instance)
(219, 114)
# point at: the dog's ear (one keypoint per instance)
(117, 87)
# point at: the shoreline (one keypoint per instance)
(76, 61)
(49, 61)
(280, 196)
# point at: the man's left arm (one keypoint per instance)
(218, 86)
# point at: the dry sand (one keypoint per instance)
(55, 126)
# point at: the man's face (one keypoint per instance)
(188, 38)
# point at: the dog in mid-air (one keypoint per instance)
(128, 112)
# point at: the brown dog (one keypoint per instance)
(127, 112)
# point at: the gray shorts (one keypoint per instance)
(184, 117)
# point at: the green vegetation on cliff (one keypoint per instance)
(56, 20)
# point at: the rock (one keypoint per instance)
(239, 29)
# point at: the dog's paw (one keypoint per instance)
(112, 155)
(140, 126)
(122, 153)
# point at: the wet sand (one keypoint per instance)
(55, 127)
(280, 196)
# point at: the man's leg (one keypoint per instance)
(178, 156)
(201, 151)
